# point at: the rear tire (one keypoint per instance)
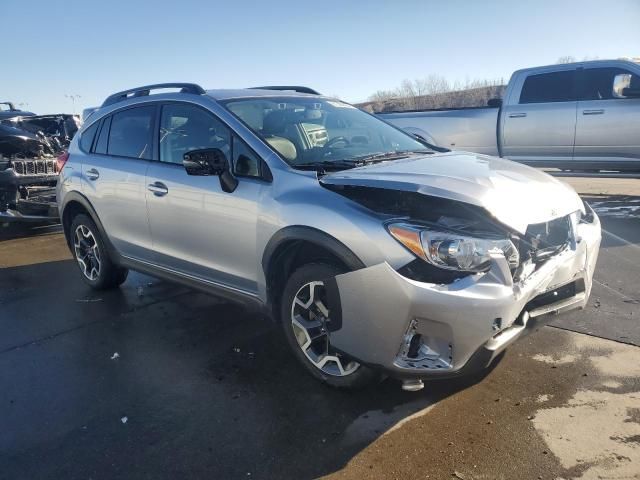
(92, 257)
(306, 323)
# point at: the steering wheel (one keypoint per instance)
(335, 140)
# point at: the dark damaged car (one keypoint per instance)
(377, 253)
(29, 147)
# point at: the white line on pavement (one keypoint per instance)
(620, 239)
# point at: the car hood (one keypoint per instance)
(514, 194)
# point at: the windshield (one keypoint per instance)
(317, 131)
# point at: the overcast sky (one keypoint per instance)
(346, 48)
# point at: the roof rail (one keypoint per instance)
(10, 105)
(144, 91)
(288, 88)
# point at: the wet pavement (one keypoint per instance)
(156, 381)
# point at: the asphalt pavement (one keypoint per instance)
(157, 381)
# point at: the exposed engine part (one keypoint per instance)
(540, 242)
(454, 215)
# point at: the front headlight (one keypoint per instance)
(453, 251)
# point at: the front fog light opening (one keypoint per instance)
(420, 352)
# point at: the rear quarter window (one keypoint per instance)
(87, 136)
(103, 137)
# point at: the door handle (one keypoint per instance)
(517, 115)
(92, 174)
(598, 111)
(159, 189)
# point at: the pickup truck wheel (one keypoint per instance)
(306, 321)
(97, 269)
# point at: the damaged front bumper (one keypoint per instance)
(413, 329)
(27, 191)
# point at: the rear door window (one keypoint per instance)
(130, 134)
(597, 83)
(549, 87)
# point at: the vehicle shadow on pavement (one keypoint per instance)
(14, 231)
(155, 380)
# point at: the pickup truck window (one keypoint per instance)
(597, 83)
(549, 87)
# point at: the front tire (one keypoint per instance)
(89, 250)
(306, 312)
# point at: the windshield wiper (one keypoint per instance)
(360, 161)
(382, 156)
(330, 164)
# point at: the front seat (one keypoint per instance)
(274, 128)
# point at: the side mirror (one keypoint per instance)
(622, 87)
(631, 92)
(494, 102)
(210, 161)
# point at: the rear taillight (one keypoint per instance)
(61, 160)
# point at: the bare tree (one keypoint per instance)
(434, 91)
(566, 59)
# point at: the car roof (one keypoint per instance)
(217, 94)
(227, 94)
(585, 63)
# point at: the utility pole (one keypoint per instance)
(73, 98)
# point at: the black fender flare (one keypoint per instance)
(316, 237)
(311, 235)
(75, 196)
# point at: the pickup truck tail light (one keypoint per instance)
(61, 160)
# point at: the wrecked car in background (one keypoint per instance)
(8, 110)
(29, 146)
(377, 253)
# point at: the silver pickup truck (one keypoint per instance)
(571, 116)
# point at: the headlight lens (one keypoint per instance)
(453, 251)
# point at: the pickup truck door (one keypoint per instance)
(538, 126)
(608, 128)
(198, 230)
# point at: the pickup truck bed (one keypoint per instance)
(579, 116)
(472, 129)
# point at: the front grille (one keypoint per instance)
(34, 167)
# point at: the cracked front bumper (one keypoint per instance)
(464, 325)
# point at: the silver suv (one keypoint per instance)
(378, 253)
